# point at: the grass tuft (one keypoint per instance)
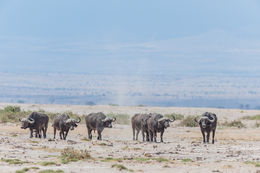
(14, 161)
(186, 160)
(51, 171)
(73, 155)
(121, 167)
(48, 163)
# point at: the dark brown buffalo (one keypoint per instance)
(36, 122)
(64, 123)
(157, 123)
(98, 121)
(139, 123)
(208, 123)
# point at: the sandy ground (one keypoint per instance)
(233, 146)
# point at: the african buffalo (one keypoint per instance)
(98, 121)
(157, 123)
(208, 123)
(36, 122)
(139, 123)
(64, 123)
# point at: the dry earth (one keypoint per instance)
(182, 150)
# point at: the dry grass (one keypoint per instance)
(73, 155)
(234, 123)
(189, 121)
(120, 118)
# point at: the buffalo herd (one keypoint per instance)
(149, 124)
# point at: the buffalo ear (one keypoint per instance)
(20, 119)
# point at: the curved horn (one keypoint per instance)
(104, 120)
(197, 121)
(31, 121)
(114, 119)
(78, 121)
(173, 119)
(68, 120)
(213, 119)
(161, 119)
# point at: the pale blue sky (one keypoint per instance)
(192, 36)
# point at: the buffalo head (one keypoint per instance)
(205, 120)
(165, 122)
(26, 122)
(72, 123)
(107, 122)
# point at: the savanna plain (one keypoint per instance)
(236, 148)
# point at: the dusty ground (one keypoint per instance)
(182, 150)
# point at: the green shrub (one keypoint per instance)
(254, 117)
(176, 116)
(73, 155)
(189, 121)
(120, 118)
(234, 123)
(12, 109)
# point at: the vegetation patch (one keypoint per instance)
(14, 161)
(26, 169)
(51, 171)
(254, 117)
(121, 167)
(73, 155)
(48, 163)
(186, 160)
(111, 159)
(120, 118)
(234, 123)
(189, 121)
(257, 164)
(12, 114)
(176, 116)
(85, 139)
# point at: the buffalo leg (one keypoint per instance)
(60, 134)
(137, 133)
(162, 136)
(66, 133)
(89, 133)
(45, 130)
(155, 136)
(133, 133)
(147, 136)
(143, 135)
(31, 135)
(150, 136)
(99, 135)
(203, 134)
(213, 136)
(54, 132)
(208, 135)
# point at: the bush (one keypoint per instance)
(255, 117)
(12, 109)
(189, 121)
(12, 114)
(72, 155)
(120, 118)
(234, 123)
(176, 116)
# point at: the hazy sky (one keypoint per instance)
(167, 36)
